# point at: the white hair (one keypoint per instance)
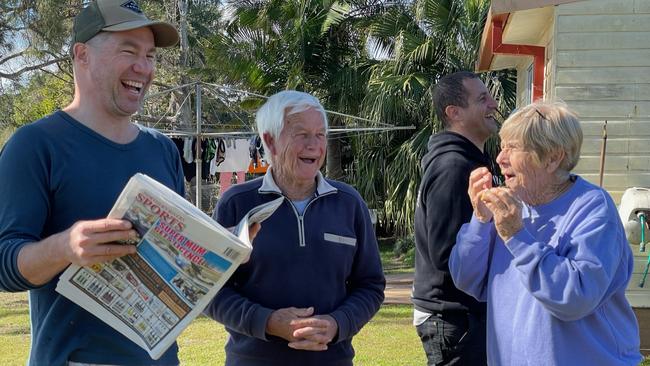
(270, 117)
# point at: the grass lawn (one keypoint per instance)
(388, 340)
(391, 264)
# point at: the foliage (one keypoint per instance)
(43, 94)
(6, 109)
(310, 45)
(418, 42)
(404, 251)
(404, 175)
(5, 133)
(375, 59)
(403, 245)
(35, 36)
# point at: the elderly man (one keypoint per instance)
(314, 278)
(61, 174)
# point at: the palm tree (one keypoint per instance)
(312, 45)
(419, 41)
(375, 58)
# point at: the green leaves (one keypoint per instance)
(336, 14)
(419, 42)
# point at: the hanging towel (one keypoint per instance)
(188, 152)
(237, 156)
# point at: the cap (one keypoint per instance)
(119, 15)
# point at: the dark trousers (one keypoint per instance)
(454, 339)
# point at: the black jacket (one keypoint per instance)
(443, 206)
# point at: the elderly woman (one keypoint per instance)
(547, 252)
(314, 277)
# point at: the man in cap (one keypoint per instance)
(61, 175)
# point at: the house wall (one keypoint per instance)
(602, 70)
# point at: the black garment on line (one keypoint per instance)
(189, 169)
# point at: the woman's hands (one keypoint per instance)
(480, 180)
(494, 203)
(506, 210)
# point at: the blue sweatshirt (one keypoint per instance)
(556, 289)
(326, 258)
(53, 173)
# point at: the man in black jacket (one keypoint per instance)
(450, 323)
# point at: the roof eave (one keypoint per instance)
(508, 6)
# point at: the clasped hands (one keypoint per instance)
(498, 203)
(302, 329)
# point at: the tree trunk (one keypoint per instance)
(186, 111)
(333, 167)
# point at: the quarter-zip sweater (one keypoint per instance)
(326, 258)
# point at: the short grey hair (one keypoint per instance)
(545, 127)
(271, 115)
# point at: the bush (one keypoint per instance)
(409, 257)
(5, 134)
(404, 245)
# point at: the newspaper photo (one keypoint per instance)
(183, 258)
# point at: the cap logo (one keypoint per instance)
(132, 5)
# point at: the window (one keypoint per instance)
(528, 91)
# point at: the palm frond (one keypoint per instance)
(337, 13)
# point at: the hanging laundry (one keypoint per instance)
(237, 156)
(189, 169)
(256, 150)
(188, 150)
(219, 156)
(258, 165)
(211, 149)
(221, 151)
(205, 162)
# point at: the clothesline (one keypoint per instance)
(328, 111)
(252, 133)
(174, 133)
(224, 95)
(247, 93)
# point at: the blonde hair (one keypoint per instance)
(546, 127)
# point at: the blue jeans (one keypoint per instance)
(454, 339)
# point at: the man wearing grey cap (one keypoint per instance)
(60, 176)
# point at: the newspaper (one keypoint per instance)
(183, 258)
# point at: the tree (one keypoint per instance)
(44, 93)
(315, 46)
(35, 36)
(378, 59)
(419, 42)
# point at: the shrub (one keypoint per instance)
(404, 245)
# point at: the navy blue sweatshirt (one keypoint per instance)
(326, 258)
